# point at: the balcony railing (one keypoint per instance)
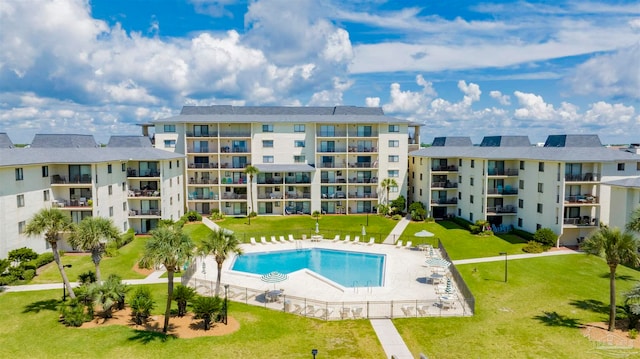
(586, 177)
(502, 191)
(201, 150)
(363, 164)
(581, 221)
(332, 133)
(145, 212)
(363, 195)
(293, 180)
(228, 149)
(295, 195)
(452, 200)
(144, 193)
(502, 209)
(276, 180)
(586, 199)
(331, 150)
(203, 165)
(446, 184)
(502, 172)
(333, 180)
(332, 165)
(146, 173)
(234, 196)
(271, 195)
(210, 134)
(211, 196)
(203, 181)
(444, 168)
(363, 180)
(235, 134)
(362, 149)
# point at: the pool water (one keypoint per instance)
(349, 269)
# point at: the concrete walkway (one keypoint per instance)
(396, 232)
(557, 252)
(390, 339)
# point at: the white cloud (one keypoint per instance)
(372, 102)
(533, 107)
(409, 101)
(504, 100)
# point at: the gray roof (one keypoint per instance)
(452, 141)
(630, 182)
(30, 156)
(293, 167)
(573, 141)
(5, 141)
(63, 141)
(272, 114)
(576, 154)
(129, 141)
(505, 141)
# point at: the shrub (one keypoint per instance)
(429, 219)
(111, 250)
(4, 264)
(193, 216)
(383, 209)
(16, 272)
(44, 258)
(22, 255)
(545, 236)
(396, 217)
(398, 204)
(253, 214)
(7, 279)
(523, 234)
(633, 333)
(182, 295)
(73, 314)
(125, 238)
(207, 308)
(418, 212)
(28, 274)
(28, 265)
(216, 214)
(533, 247)
(141, 305)
(87, 277)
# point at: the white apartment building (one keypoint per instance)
(508, 182)
(328, 159)
(128, 181)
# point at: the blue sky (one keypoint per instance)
(463, 68)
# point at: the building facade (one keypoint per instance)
(327, 159)
(512, 184)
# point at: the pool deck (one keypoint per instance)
(405, 278)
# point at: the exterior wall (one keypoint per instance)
(626, 201)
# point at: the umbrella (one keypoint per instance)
(364, 231)
(438, 262)
(449, 288)
(274, 277)
(423, 233)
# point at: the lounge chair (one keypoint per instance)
(399, 244)
(263, 240)
(282, 240)
(423, 311)
(324, 312)
(347, 238)
(356, 240)
(309, 310)
(336, 238)
(408, 311)
(253, 241)
(357, 313)
(372, 240)
(408, 245)
(344, 312)
(296, 309)
(291, 239)
(274, 240)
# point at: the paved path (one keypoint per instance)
(557, 252)
(396, 232)
(390, 339)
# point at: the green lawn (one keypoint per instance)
(379, 227)
(263, 333)
(535, 315)
(459, 243)
(122, 264)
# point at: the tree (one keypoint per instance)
(386, 184)
(616, 248)
(634, 221)
(22, 255)
(251, 171)
(206, 308)
(109, 294)
(182, 295)
(170, 247)
(220, 244)
(92, 234)
(50, 222)
(545, 236)
(141, 305)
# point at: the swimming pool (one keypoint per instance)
(349, 269)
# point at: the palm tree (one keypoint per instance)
(617, 248)
(634, 221)
(170, 247)
(220, 244)
(386, 184)
(141, 305)
(92, 234)
(182, 295)
(251, 171)
(206, 308)
(50, 222)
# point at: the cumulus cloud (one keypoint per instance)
(504, 100)
(409, 101)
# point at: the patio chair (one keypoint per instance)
(357, 313)
(282, 240)
(274, 240)
(263, 240)
(324, 313)
(399, 244)
(253, 241)
(423, 311)
(356, 240)
(408, 311)
(291, 239)
(347, 238)
(297, 309)
(336, 238)
(409, 245)
(344, 312)
(372, 240)
(309, 310)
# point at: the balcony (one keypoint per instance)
(331, 165)
(586, 177)
(202, 197)
(235, 133)
(452, 200)
(234, 196)
(145, 212)
(502, 209)
(332, 134)
(203, 181)
(450, 168)
(146, 173)
(584, 221)
(363, 195)
(144, 193)
(271, 195)
(237, 149)
(363, 165)
(203, 165)
(332, 180)
(192, 150)
(364, 180)
(274, 180)
(199, 135)
(502, 172)
(362, 149)
(59, 179)
(331, 149)
(82, 204)
(296, 195)
(446, 184)
(581, 199)
(502, 191)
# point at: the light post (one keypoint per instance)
(249, 215)
(64, 287)
(505, 265)
(367, 218)
(314, 352)
(226, 308)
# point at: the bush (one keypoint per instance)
(523, 234)
(44, 258)
(533, 247)
(398, 204)
(7, 279)
(16, 272)
(28, 265)
(4, 264)
(22, 255)
(253, 214)
(193, 216)
(396, 217)
(28, 274)
(216, 214)
(418, 212)
(546, 237)
(73, 314)
(430, 219)
(125, 238)
(87, 277)
(141, 305)
(383, 209)
(633, 333)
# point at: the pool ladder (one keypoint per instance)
(369, 287)
(355, 286)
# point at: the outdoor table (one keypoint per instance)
(423, 247)
(316, 238)
(273, 295)
(436, 277)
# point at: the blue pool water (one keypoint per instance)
(349, 269)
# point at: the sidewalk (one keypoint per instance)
(558, 252)
(390, 339)
(396, 232)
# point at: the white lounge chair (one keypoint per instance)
(345, 312)
(297, 309)
(253, 241)
(399, 244)
(347, 238)
(357, 312)
(356, 240)
(408, 311)
(263, 240)
(336, 238)
(408, 245)
(282, 240)
(274, 240)
(291, 239)
(324, 312)
(309, 310)
(372, 240)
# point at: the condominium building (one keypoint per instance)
(328, 159)
(512, 184)
(128, 181)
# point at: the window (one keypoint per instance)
(459, 212)
(170, 143)
(109, 168)
(394, 158)
(169, 128)
(393, 189)
(521, 184)
(540, 166)
(394, 143)
(540, 187)
(19, 174)
(267, 143)
(393, 173)
(45, 171)
(110, 190)
(539, 209)
(473, 163)
(45, 195)
(394, 128)
(267, 159)
(421, 191)
(471, 181)
(520, 222)
(522, 165)
(111, 211)
(620, 166)
(171, 201)
(299, 159)
(459, 162)
(471, 199)
(124, 186)
(170, 164)
(298, 128)
(123, 165)
(459, 195)
(267, 128)
(637, 166)
(538, 226)
(520, 203)
(421, 177)
(470, 217)
(21, 226)
(298, 143)
(124, 206)
(20, 199)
